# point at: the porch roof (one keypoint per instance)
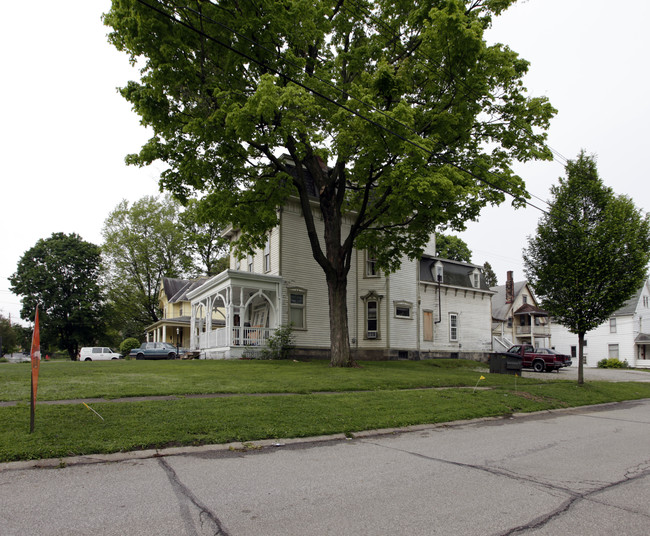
(235, 278)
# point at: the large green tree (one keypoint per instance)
(143, 242)
(203, 238)
(395, 115)
(453, 248)
(590, 253)
(7, 336)
(62, 275)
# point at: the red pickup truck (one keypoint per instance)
(540, 359)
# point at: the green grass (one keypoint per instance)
(116, 379)
(379, 395)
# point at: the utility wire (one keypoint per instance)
(328, 99)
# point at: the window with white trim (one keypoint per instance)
(403, 309)
(371, 265)
(613, 351)
(297, 308)
(453, 327)
(267, 254)
(372, 319)
(249, 262)
(612, 325)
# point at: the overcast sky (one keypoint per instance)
(66, 130)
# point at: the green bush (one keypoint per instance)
(612, 362)
(128, 345)
(279, 345)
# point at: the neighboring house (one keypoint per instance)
(626, 335)
(517, 318)
(407, 314)
(174, 326)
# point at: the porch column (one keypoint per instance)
(208, 315)
(193, 344)
(164, 333)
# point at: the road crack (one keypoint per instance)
(210, 523)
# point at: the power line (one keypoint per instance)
(328, 99)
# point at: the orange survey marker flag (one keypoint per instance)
(36, 363)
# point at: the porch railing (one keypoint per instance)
(240, 336)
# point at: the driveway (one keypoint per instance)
(593, 374)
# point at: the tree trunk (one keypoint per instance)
(338, 308)
(581, 343)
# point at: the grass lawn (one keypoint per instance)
(378, 395)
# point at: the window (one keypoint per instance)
(438, 272)
(525, 298)
(371, 309)
(612, 325)
(297, 303)
(403, 310)
(646, 301)
(372, 317)
(267, 254)
(237, 263)
(613, 351)
(249, 262)
(574, 351)
(509, 321)
(453, 327)
(371, 265)
(476, 278)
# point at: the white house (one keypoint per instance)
(626, 335)
(408, 314)
(517, 318)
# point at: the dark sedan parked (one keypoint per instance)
(154, 350)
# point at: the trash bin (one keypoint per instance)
(505, 363)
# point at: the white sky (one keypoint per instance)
(66, 130)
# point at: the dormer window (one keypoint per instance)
(476, 278)
(438, 272)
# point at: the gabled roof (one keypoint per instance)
(454, 273)
(176, 289)
(629, 307)
(499, 306)
(528, 309)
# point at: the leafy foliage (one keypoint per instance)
(128, 344)
(453, 248)
(396, 114)
(203, 238)
(280, 344)
(612, 362)
(62, 275)
(490, 277)
(7, 336)
(143, 243)
(590, 253)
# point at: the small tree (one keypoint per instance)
(590, 253)
(490, 277)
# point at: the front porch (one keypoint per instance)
(234, 312)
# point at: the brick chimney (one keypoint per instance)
(510, 288)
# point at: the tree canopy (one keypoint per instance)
(143, 242)
(590, 253)
(453, 248)
(62, 275)
(396, 114)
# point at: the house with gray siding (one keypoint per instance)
(430, 307)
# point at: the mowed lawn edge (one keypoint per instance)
(74, 429)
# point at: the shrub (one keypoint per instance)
(279, 345)
(612, 362)
(128, 345)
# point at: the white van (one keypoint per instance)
(97, 353)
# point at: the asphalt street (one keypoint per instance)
(583, 471)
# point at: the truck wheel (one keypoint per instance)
(87, 359)
(539, 366)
